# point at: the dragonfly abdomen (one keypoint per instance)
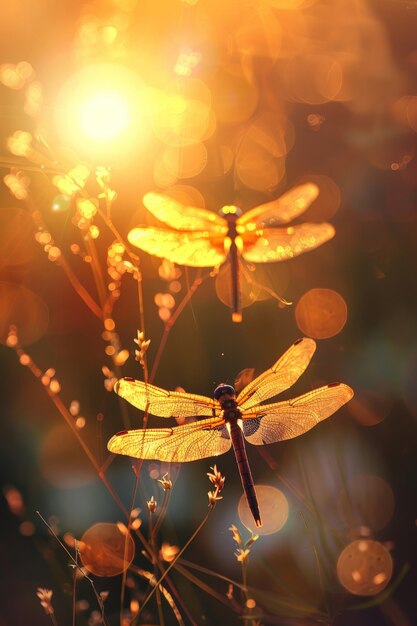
(232, 250)
(244, 469)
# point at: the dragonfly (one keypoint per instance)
(197, 237)
(227, 420)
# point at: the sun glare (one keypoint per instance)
(104, 115)
(99, 112)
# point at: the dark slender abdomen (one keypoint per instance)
(234, 271)
(244, 469)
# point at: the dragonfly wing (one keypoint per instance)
(280, 244)
(284, 420)
(280, 211)
(195, 249)
(182, 217)
(248, 289)
(165, 403)
(179, 444)
(282, 375)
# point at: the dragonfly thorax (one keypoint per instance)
(226, 395)
(231, 413)
(228, 404)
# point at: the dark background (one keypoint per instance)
(371, 262)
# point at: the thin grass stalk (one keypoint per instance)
(152, 541)
(161, 516)
(246, 619)
(168, 326)
(254, 591)
(74, 587)
(53, 619)
(80, 290)
(209, 572)
(77, 566)
(105, 216)
(319, 567)
(37, 372)
(168, 597)
(175, 594)
(232, 604)
(123, 584)
(315, 511)
(96, 270)
(171, 565)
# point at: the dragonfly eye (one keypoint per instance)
(230, 210)
(222, 389)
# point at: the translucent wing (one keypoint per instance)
(285, 420)
(182, 217)
(189, 442)
(282, 375)
(280, 244)
(195, 249)
(249, 290)
(165, 403)
(280, 211)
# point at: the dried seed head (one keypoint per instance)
(168, 552)
(236, 535)
(216, 478)
(143, 345)
(152, 504)
(165, 482)
(213, 497)
(45, 597)
(242, 555)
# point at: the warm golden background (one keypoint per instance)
(213, 103)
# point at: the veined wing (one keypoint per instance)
(195, 249)
(280, 244)
(165, 403)
(182, 217)
(282, 210)
(189, 442)
(248, 288)
(282, 375)
(285, 420)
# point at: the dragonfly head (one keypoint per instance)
(230, 210)
(222, 390)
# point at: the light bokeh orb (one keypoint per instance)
(100, 113)
(328, 201)
(364, 567)
(273, 507)
(370, 406)
(105, 550)
(62, 461)
(321, 313)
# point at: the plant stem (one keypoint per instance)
(171, 565)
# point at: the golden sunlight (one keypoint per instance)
(104, 115)
(100, 111)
